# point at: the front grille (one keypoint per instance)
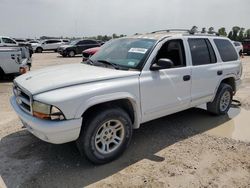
(23, 99)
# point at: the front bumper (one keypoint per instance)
(62, 51)
(237, 84)
(56, 132)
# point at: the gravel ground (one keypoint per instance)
(167, 152)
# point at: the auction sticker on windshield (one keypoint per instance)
(138, 50)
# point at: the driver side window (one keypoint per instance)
(173, 50)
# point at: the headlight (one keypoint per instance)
(45, 111)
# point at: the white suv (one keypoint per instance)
(129, 81)
(48, 45)
(7, 41)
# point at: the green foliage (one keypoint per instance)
(247, 34)
(222, 31)
(210, 30)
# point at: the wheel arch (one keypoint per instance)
(230, 80)
(1, 71)
(128, 104)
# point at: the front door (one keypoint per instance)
(166, 91)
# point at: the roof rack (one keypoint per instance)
(190, 32)
(170, 30)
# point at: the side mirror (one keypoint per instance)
(162, 63)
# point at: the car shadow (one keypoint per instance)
(62, 165)
(7, 78)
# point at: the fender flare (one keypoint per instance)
(225, 77)
(84, 106)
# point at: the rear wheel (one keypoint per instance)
(39, 50)
(106, 135)
(222, 100)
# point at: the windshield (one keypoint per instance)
(125, 52)
(74, 42)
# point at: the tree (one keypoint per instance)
(241, 34)
(114, 36)
(210, 30)
(247, 34)
(194, 29)
(204, 30)
(235, 30)
(222, 31)
(230, 35)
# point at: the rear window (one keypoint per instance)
(226, 50)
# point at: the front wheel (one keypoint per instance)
(72, 53)
(222, 100)
(105, 136)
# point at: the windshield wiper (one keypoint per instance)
(90, 62)
(109, 63)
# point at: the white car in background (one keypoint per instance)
(7, 41)
(48, 45)
(14, 60)
(238, 46)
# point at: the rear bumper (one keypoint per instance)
(56, 132)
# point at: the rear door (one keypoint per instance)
(52, 44)
(206, 72)
(85, 44)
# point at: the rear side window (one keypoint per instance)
(202, 51)
(226, 50)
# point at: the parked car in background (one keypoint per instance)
(10, 42)
(7, 41)
(76, 47)
(238, 46)
(25, 43)
(13, 61)
(89, 52)
(129, 81)
(48, 45)
(34, 41)
(246, 46)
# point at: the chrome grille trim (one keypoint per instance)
(23, 99)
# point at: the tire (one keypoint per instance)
(64, 55)
(100, 135)
(71, 53)
(39, 50)
(222, 101)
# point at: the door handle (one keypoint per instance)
(220, 72)
(186, 77)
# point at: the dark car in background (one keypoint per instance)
(76, 47)
(246, 46)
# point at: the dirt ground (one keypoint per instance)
(186, 149)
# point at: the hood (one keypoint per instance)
(67, 75)
(92, 50)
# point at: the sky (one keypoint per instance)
(83, 18)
